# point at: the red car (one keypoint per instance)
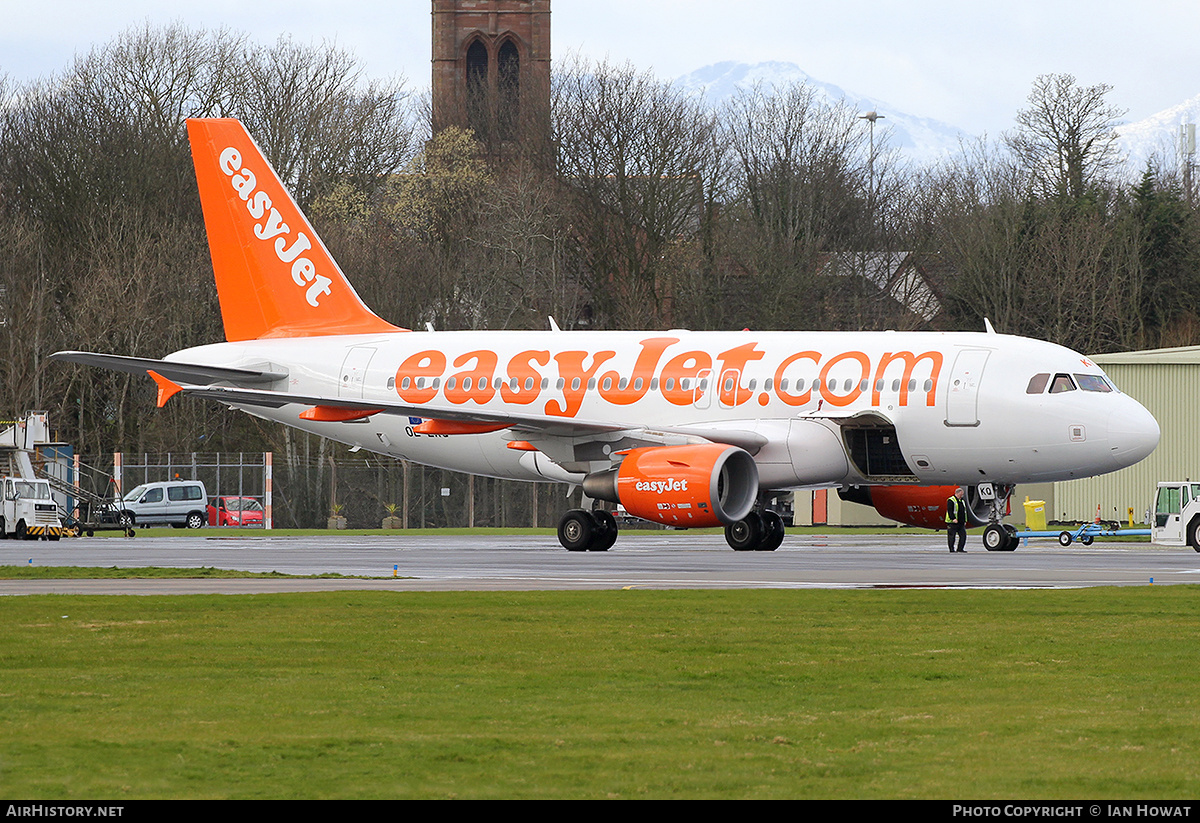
(235, 511)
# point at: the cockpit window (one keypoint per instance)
(1092, 382)
(1037, 383)
(1062, 383)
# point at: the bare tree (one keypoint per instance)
(1064, 139)
(801, 191)
(638, 157)
(102, 238)
(318, 121)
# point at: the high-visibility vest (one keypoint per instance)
(952, 510)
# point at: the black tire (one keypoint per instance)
(1013, 540)
(773, 532)
(606, 531)
(1064, 538)
(744, 535)
(195, 520)
(1193, 533)
(22, 530)
(1086, 539)
(125, 519)
(995, 538)
(575, 530)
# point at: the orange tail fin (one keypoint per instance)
(275, 278)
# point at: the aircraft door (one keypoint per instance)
(354, 371)
(962, 396)
(1168, 508)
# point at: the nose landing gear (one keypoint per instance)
(997, 535)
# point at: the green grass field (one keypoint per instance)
(624, 694)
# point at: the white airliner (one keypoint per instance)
(684, 428)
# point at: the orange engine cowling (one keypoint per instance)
(710, 484)
(922, 506)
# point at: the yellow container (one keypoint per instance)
(1035, 514)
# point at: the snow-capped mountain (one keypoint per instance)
(920, 139)
(924, 140)
(1157, 137)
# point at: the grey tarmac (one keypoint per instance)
(535, 562)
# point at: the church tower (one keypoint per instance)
(491, 69)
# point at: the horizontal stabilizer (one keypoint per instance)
(188, 373)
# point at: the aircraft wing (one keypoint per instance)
(197, 380)
(193, 373)
(503, 419)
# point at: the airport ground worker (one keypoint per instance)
(956, 519)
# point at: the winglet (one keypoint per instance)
(166, 388)
(275, 278)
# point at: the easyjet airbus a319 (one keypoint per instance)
(690, 429)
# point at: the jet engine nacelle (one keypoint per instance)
(710, 484)
(922, 506)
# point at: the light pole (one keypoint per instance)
(871, 117)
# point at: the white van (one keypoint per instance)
(175, 502)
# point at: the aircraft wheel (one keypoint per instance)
(575, 530)
(1064, 538)
(744, 535)
(606, 531)
(995, 538)
(773, 532)
(1013, 540)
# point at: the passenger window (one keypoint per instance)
(1062, 383)
(153, 496)
(1037, 383)
(1092, 382)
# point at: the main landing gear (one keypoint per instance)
(756, 532)
(581, 530)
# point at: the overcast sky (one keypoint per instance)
(969, 63)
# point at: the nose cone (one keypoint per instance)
(1132, 433)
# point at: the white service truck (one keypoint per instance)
(28, 511)
(27, 508)
(1176, 514)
